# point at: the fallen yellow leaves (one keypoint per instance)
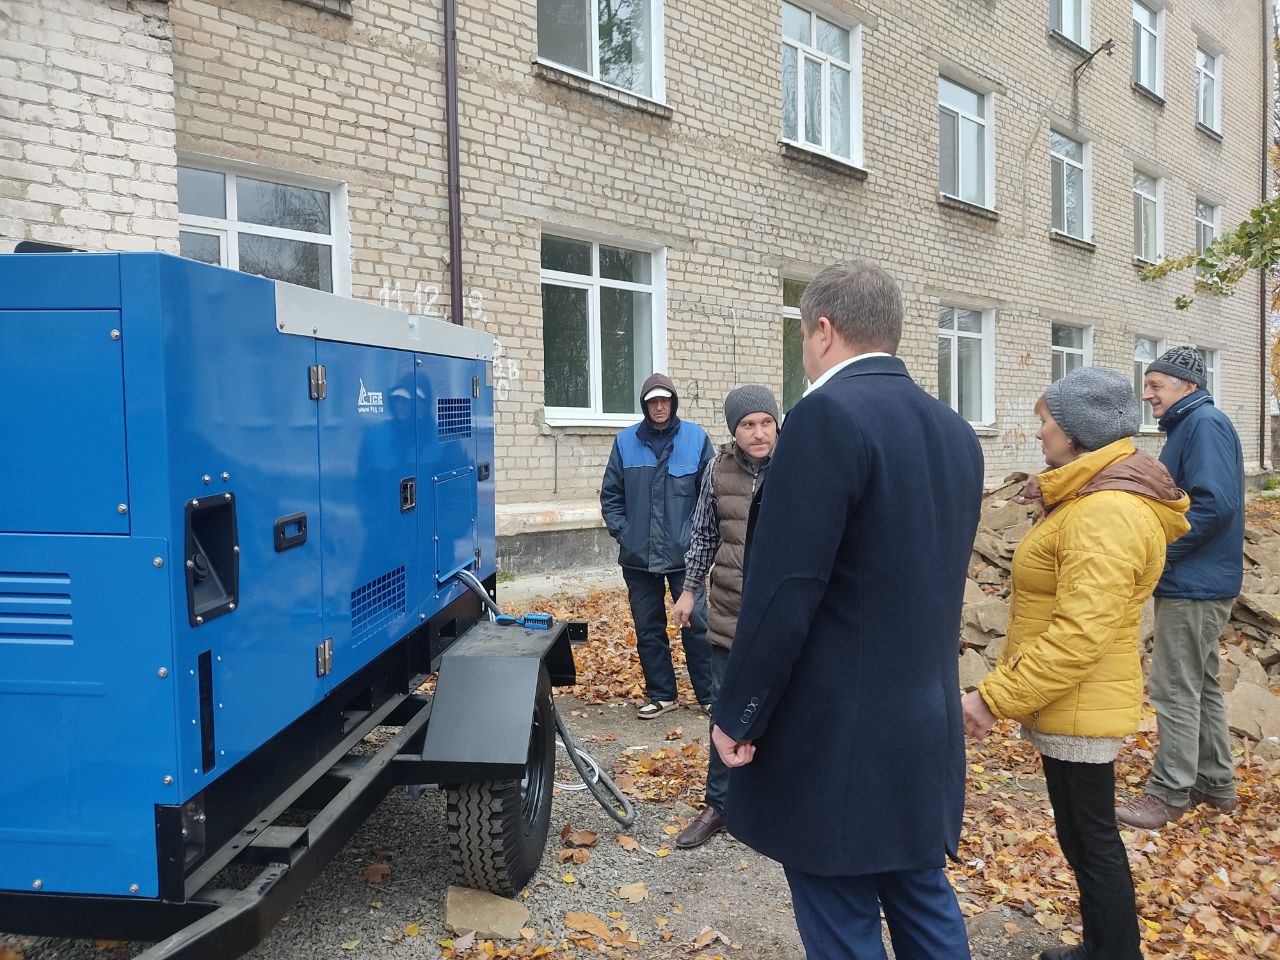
(632, 892)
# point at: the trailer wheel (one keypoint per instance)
(498, 828)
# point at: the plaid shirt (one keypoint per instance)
(704, 539)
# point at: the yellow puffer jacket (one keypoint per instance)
(1080, 577)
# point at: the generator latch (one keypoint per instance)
(408, 494)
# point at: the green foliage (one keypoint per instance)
(1271, 483)
(1253, 245)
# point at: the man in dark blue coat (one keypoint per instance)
(1203, 573)
(647, 496)
(839, 712)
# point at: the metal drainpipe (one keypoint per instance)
(1268, 63)
(451, 158)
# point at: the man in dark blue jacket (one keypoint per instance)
(647, 497)
(1202, 575)
(839, 710)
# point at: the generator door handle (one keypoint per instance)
(291, 531)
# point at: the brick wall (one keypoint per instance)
(87, 124)
(357, 96)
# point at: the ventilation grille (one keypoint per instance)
(453, 417)
(376, 604)
(35, 608)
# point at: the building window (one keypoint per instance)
(1070, 165)
(271, 224)
(1071, 348)
(794, 381)
(966, 358)
(601, 332)
(1071, 19)
(964, 139)
(1208, 95)
(1146, 217)
(821, 84)
(1210, 358)
(618, 42)
(1208, 223)
(1145, 350)
(1147, 44)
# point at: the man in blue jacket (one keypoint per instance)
(1202, 575)
(839, 710)
(647, 497)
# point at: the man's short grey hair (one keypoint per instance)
(862, 302)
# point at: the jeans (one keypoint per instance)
(1084, 816)
(1195, 747)
(649, 612)
(717, 772)
(839, 917)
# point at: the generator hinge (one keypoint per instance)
(324, 658)
(319, 383)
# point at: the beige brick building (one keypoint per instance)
(692, 163)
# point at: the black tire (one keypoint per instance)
(498, 828)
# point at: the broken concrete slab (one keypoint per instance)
(485, 915)
(972, 669)
(991, 653)
(973, 593)
(1253, 711)
(990, 616)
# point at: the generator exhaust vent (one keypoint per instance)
(453, 417)
(376, 604)
(35, 608)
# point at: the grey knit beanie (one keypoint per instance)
(746, 400)
(1094, 407)
(1184, 363)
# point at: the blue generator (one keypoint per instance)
(241, 522)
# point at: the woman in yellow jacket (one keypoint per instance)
(1070, 672)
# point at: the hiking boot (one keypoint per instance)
(1147, 812)
(707, 824)
(1222, 804)
(655, 708)
(1064, 953)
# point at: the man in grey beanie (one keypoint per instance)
(1202, 576)
(719, 537)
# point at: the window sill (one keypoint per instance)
(1078, 49)
(964, 206)
(341, 8)
(825, 161)
(553, 73)
(585, 422)
(1144, 90)
(1145, 431)
(1209, 132)
(1068, 240)
(1141, 263)
(985, 430)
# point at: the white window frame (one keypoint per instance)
(1158, 68)
(656, 288)
(229, 227)
(1212, 358)
(1215, 74)
(1214, 224)
(854, 66)
(1158, 200)
(1150, 423)
(988, 121)
(1086, 169)
(988, 338)
(1085, 353)
(1061, 13)
(657, 18)
(792, 313)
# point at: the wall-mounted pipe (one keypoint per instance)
(451, 158)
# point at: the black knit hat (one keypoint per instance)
(1184, 363)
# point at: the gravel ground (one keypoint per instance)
(722, 885)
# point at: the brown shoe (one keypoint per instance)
(1222, 804)
(705, 826)
(1147, 812)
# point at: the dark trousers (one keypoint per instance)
(1083, 798)
(649, 612)
(839, 917)
(717, 772)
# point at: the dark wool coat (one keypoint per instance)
(844, 670)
